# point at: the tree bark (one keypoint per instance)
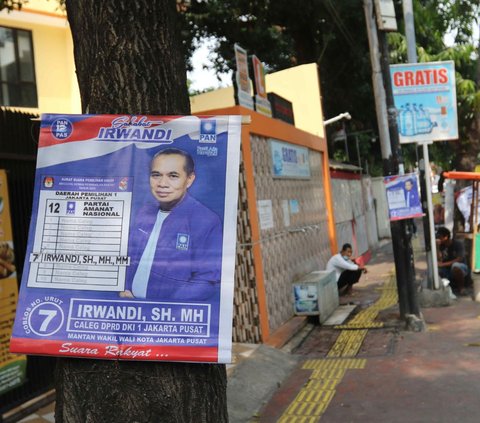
(129, 59)
(128, 56)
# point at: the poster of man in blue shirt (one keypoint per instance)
(176, 241)
(402, 196)
(131, 251)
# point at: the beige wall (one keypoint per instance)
(218, 99)
(57, 87)
(300, 85)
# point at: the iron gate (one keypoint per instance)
(18, 151)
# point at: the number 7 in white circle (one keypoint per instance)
(50, 314)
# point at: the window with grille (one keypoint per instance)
(17, 68)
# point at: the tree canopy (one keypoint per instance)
(333, 35)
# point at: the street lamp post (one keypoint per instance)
(345, 115)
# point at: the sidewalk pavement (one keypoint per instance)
(371, 369)
(374, 370)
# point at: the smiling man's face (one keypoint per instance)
(169, 180)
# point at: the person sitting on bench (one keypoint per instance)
(347, 272)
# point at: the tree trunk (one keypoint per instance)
(129, 56)
(129, 59)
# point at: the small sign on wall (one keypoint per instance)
(265, 214)
(289, 161)
(294, 206)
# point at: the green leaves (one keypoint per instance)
(11, 4)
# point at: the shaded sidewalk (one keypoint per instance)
(390, 374)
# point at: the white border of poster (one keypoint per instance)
(426, 101)
(131, 249)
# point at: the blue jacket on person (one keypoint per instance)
(188, 257)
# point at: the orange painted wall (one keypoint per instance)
(274, 128)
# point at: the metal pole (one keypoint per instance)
(346, 148)
(425, 222)
(474, 212)
(377, 81)
(431, 224)
(358, 152)
(429, 230)
(402, 243)
(387, 121)
(410, 31)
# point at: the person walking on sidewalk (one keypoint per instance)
(451, 260)
(346, 270)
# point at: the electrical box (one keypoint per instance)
(386, 19)
(316, 294)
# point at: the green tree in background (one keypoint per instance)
(333, 34)
(433, 20)
(285, 33)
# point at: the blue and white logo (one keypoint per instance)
(208, 131)
(61, 128)
(71, 207)
(182, 241)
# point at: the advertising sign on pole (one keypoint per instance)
(262, 105)
(403, 197)
(242, 78)
(426, 101)
(12, 367)
(131, 249)
(289, 161)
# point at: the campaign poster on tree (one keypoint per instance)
(403, 197)
(131, 248)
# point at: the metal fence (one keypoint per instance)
(18, 151)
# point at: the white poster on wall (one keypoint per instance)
(265, 214)
(286, 213)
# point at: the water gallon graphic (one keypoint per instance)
(413, 120)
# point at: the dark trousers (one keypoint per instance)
(349, 277)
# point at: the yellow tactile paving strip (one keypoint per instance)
(348, 343)
(314, 398)
(365, 319)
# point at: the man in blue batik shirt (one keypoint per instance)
(176, 244)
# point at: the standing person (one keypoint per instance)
(451, 260)
(176, 243)
(346, 270)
